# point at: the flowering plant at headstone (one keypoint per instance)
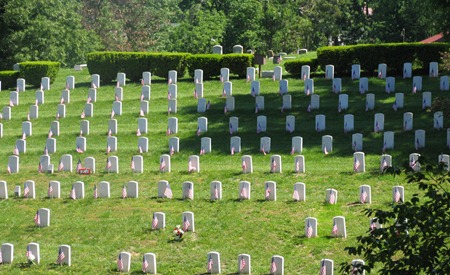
(178, 232)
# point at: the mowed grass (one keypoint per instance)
(97, 230)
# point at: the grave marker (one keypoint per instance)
(172, 77)
(235, 145)
(398, 194)
(247, 164)
(172, 91)
(29, 191)
(132, 189)
(13, 164)
(356, 71)
(290, 123)
(261, 124)
(213, 263)
(339, 229)
(233, 125)
(123, 262)
(147, 77)
(44, 217)
(64, 255)
(331, 196)
(224, 74)
(217, 49)
(172, 125)
(205, 145)
(390, 84)
(327, 144)
(365, 194)
(382, 70)
(277, 73)
(336, 86)
(343, 102)
(198, 76)
(407, 70)
(320, 123)
(244, 190)
(359, 163)
(326, 267)
(229, 104)
(259, 104)
(419, 139)
(78, 188)
(305, 72)
(7, 251)
(174, 145)
(277, 265)
(275, 164)
(443, 83)
(348, 123)
(385, 162)
(363, 85)
(299, 164)
(417, 84)
(408, 121)
(357, 142)
(187, 219)
(215, 190)
(329, 72)
(283, 86)
(145, 92)
(3, 190)
(244, 264)
(378, 124)
(434, 69)
(370, 102)
(299, 192)
(311, 227)
(33, 253)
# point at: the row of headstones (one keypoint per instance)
(213, 265)
(131, 190)
(137, 161)
(64, 256)
(88, 109)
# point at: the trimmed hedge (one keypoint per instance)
(370, 55)
(209, 63)
(34, 71)
(9, 79)
(294, 67)
(237, 63)
(108, 64)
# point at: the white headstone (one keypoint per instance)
(124, 259)
(251, 72)
(45, 83)
(103, 189)
(3, 189)
(174, 145)
(414, 161)
(370, 102)
(390, 84)
(327, 267)
(78, 186)
(426, 100)
(95, 81)
(359, 163)
(247, 164)
(244, 264)
(255, 88)
(407, 70)
(188, 216)
(233, 125)
(20, 82)
(357, 142)
(309, 86)
(7, 250)
(443, 83)
(320, 123)
(205, 145)
(213, 263)
(305, 72)
(417, 84)
(408, 121)
(215, 190)
(311, 227)
(67, 252)
(164, 190)
(114, 167)
(290, 123)
(173, 91)
(224, 74)
(34, 253)
(339, 222)
(270, 191)
(299, 164)
(44, 217)
(277, 265)
(194, 164)
(434, 69)
(327, 144)
(283, 86)
(150, 258)
(356, 71)
(438, 121)
(147, 78)
(382, 70)
(29, 186)
(329, 72)
(13, 164)
(217, 49)
(198, 76)
(343, 102)
(378, 124)
(365, 194)
(275, 164)
(419, 139)
(385, 162)
(398, 194)
(331, 196)
(6, 113)
(336, 87)
(363, 85)
(348, 123)
(235, 144)
(261, 124)
(315, 102)
(142, 125)
(172, 77)
(229, 104)
(172, 106)
(277, 73)
(146, 92)
(265, 145)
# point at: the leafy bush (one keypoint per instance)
(370, 55)
(34, 71)
(9, 79)
(209, 63)
(294, 67)
(108, 64)
(237, 63)
(442, 104)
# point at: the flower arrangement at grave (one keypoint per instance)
(178, 232)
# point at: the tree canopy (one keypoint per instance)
(66, 30)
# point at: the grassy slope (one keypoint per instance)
(98, 230)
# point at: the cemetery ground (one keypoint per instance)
(97, 230)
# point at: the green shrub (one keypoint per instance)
(237, 63)
(108, 64)
(9, 79)
(370, 55)
(209, 63)
(34, 71)
(294, 67)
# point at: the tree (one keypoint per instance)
(44, 30)
(415, 236)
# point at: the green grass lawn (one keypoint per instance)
(98, 230)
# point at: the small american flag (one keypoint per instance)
(289, 127)
(334, 231)
(339, 107)
(67, 86)
(309, 108)
(292, 150)
(45, 152)
(37, 219)
(124, 192)
(142, 82)
(273, 166)
(24, 136)
(1, 257)
(61, 166)
(414, 90)
(388, 88)
(195, 94)
(367, 106)
(113, 114)
(79, 150)
(79, 165)
(50, 133)
(120, 263)
(297, 166)
(332, 198)
(244, 166)
(225, 109)
(144, 264)
(356, 165)
(8, 169)
(417, 144)
(28, 116)
(95, 192)
(50, 190)
(154, 221)
(170, 80)
(141, 112)
(83, 115)
(384, 164)
(93, 85)
(73, 195)
(210, 264)
(61, 256)
(140, 149)
(242, 264)
(138, 132)
(296, 195)
(40, 167)
(116, 98)
(256, 108)
(26, 191)
(232, 150)
(172, 150)
(141, 98)
(308, 92)
(267, 191)
(323, 269)
(132, 165)
(380, 74)
(208, 105)
(108, 164)
(11, 104)
(273, 266)
(325, 151)
(244, 193)
(16, 151)
(169, 95)
(304, 76)
(263, 150)
(199, 131)
(202, 151)
(309, 230)
(186, 224)
(162, 164)
(363, 196)
(168, 192)
(397, 195)
(190, 193)
(29, 254)
(373, 225)
(191, 168)
(168, 131)
(259, 129)
(216, 192)
(377, 127)
(230, 126)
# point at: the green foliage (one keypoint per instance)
(442, 104)
(369, 56)
(107, 64)
(44, 30)
(237, 63)
(209, 63)
(294, 67)
(415, 234)
(9, 78)
(34, 71)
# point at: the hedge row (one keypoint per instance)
(369, 56)
(9, 79)
(108, 64)
(34, 71)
